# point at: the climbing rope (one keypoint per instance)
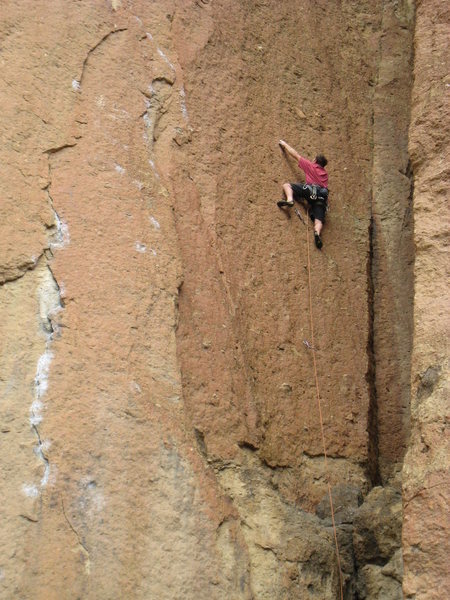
(311, 346)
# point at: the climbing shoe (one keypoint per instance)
(282, 203)
(317, 240)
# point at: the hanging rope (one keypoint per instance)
(311, 346)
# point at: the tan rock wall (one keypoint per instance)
(160, 437)
(426, 471)
(248, 69)
(106, 424)
(392, 240)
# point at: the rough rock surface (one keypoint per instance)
(426, 475)
(377, 545)
(377, 526)
(392, 242)
(159, 432)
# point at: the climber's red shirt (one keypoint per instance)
(314, 173)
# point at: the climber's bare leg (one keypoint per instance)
(287, 189)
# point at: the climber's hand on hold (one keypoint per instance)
(286, 148)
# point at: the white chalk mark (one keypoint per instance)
(45, 445)
(35, 419)
(154, 222)
(76, 86)
(183, 104)
(42, 372)
(119, 169)
(120, 114)
(153, 166)
(39, 452)
(160, 52)
(137, 387)
(36, 413)
(164, 57)
(46, 475)
(148, 126)
(49, 305)
(140, 247)
(31, 491)
(98, 503)
(61, 238)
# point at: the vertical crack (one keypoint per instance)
(49, 304)
(372, 418)
(83, 547)
(39, 451)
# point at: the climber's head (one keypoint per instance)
(321, 160)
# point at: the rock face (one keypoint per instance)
(377, 545)
(392, 242)
(160, 437)
(427, 467)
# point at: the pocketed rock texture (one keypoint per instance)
(160, 436)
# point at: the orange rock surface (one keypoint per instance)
(426, 479)
(160, 436)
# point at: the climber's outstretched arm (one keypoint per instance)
(289, 150)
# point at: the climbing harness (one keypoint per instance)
(317, 192)
(311, 346)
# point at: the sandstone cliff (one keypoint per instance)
(160, 437)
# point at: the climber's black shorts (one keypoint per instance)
(317, 208)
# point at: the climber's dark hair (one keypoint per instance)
(321, 160)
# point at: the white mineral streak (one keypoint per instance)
(160, 52)
(49, 300)
(154, 222)
(61, 237)
(30, 490)
(183, 104)
(164, 57)
(153, 166)
(136, 386)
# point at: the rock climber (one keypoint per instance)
(314, 190)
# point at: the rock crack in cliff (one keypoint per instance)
(94, 48)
